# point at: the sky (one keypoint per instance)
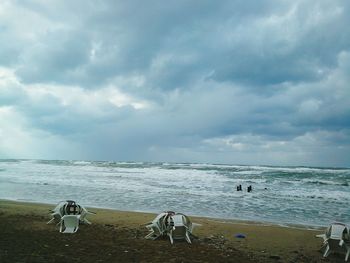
(256, 82)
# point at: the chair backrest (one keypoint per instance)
(178, 220)
(69, 224)
(179, 227)
(337, 231)
(71, 208)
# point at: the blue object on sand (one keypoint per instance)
(240, 235)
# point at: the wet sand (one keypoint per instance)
(118, 236)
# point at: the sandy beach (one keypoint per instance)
(118, 236)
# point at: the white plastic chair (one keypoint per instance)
(57, 212)
(181, 228)
(157, 226)
(63, 208)
(336, 239)
(171, 224)
(69, 224)
(83, 213)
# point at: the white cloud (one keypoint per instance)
(19, 139)
(235, 81)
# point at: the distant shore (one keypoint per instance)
(114, 232)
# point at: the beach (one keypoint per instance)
(118, 236)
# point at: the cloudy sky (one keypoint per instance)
(241, 82)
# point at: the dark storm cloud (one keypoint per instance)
(228, 81)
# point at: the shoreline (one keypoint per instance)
(115, 230)
(214, 219)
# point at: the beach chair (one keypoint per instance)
(69, 207)
(171, 224)
(84, 212)
(336, 240)
(181, 228)
(72, 208)
(57, 212)
(69, 224)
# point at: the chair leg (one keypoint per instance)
(347, 254)
(327, 252)
(61, 226)
(188, 238)
(171, 237)
(51, 220)
(86, 221)
(151, 235)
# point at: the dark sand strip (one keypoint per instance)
(117, 236)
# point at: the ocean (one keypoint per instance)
(283, 195)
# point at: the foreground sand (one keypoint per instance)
(117, 236)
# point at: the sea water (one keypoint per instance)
(283, 195)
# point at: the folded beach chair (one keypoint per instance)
(69, 224)
(181, 228)
(336, 239)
